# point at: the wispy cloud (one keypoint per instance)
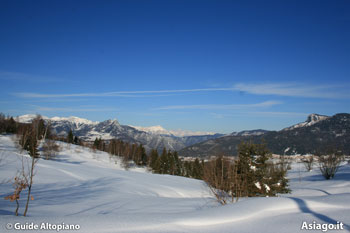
(279, 114)
(258, 114)
(119, 93)
(221, 106)
(277, 89)
(294, 90)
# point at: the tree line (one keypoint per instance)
(167, 162)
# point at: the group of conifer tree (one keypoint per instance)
(168, 162)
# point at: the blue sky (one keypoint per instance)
(219, 66)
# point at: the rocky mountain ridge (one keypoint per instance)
(318, 134)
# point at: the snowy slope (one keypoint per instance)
(92, 190)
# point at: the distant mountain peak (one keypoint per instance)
(311, 120)
(316, 117)
(112, 121)
(255, 132)
(157, 129)
(73, 119)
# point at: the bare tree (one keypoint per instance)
(329, 164)
(308, 162)
(29, 139)
(222, 177)
(20, 183)
(33, 152)
(50, 149)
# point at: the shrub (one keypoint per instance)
(50, 149)
(308, 162)
(329, 164)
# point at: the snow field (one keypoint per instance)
(93, 190)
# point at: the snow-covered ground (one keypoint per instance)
(92, 190)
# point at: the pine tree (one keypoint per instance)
(153, 159)
(178, 164)
(140, 157)
(70, 136)
(197, 169)
(76, 140)
(171, 163)
(11, 126)
(164, 162)
(32, 146)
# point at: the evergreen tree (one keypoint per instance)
(70, 137)
(76, 140)
(171, 163)
(164, 162)
(157, 166)
(32, 146)
(11, 126)
(153, 159)
(144, 158)
(98, 144)
(260, 178)
(178, 164)
(197, 169)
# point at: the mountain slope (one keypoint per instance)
(316, 134)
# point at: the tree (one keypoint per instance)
(197, 169)
(76, 140)
(308, 162)
(19, 184)
(217, 179)
(249, 175)
(178, 164)
(70, 136)
(50, 149)
(37, 131)
(171, 163)
(144, 158)
(153, 160)
(164, 162)
(11, 126)
(329, 164)
(253, 164)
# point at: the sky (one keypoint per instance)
(218, 66)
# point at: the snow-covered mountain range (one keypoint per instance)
(318, 134)
(178, 133)
(151, 137)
